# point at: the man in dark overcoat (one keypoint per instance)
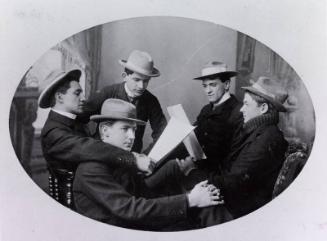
(219, 120)
(121, 197)
(138, 71)
(65, 141)
(256, 156)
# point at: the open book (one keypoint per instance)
(178, 129)
(173, 134)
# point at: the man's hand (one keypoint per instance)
(186, 165)
(204, 195)
(144, 163)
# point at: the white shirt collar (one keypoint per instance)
(64, 113)
(128, 92)
(225, 97)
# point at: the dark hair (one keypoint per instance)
(128, 71)
(61, 88)
(260, 100)
(221, 78)
(224, 79)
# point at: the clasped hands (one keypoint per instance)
(202, 194)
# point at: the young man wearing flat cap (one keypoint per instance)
(121, 197)
(65, 141)
(256, 156)
(138, 70)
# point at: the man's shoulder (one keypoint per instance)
(150, 100)
(113, 87)
(148, 95)
(206, 108)
(55, 121)
(235, 107)
(269, 133)
(234, 103)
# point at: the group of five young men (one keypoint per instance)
(116, 184)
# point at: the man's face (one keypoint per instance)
(214, 89)
(250, 108)
(136, 83)
(120, 134)
(73, 99)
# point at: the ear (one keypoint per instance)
(104, 130)
(124, 75)
(58, 97)
(227, 85)
(264, 108)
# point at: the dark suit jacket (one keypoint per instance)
(254, 167)
(215, 130)
(65, 144)
(118, 196)
(147, 107)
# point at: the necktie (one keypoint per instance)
(133, 100)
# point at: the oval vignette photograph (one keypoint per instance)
(162, 124)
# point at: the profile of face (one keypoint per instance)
(214, 89)
(251, 108)
(136, 83)
(73, 100)
(119, 133)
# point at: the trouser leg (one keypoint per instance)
(167, 177)
(209, 216)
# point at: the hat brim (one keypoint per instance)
(279, 106)
(223, 75)
(155, 71)
(100, 118)
(44, 98)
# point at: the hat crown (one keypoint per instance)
(140, 62)
(118, 109)
(268, 87)
(216, 69)
(141, 59)
(213, 67)
(269, 90)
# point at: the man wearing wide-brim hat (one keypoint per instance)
(118, 196)
(138, 70)
(219, 120)
(65, 141)
(257, 153)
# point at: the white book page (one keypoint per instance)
(173, 134)
(191, 142)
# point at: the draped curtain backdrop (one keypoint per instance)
(255, 59)
(26, 119)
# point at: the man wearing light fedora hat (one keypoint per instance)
(121, 197)
(219, 120)
(138, 70)
(257, 153)
(65, 141)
